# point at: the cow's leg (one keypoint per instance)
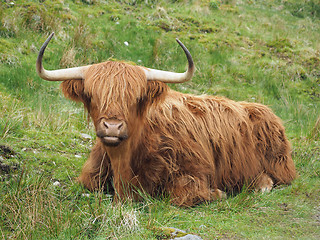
(187, 191)
(217, 194)
(96, 173)
(263, 183)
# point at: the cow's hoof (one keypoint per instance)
(217, 194)
(264, 183)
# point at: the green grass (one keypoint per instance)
(258, 51)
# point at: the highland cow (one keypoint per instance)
(155, 140)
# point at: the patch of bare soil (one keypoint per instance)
(9, 161)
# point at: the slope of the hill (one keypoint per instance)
(258, 51)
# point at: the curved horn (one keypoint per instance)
(61, 74)
(172, 77)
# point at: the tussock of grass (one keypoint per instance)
(261, 51)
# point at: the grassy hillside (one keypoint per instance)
(258, 51)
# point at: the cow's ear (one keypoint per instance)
(156, 90)
(74, 90)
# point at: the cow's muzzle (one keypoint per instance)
(112, 132)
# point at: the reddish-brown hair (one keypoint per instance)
(185, 146)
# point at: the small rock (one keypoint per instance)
(85, 136)
(188, 237)
(177, 234)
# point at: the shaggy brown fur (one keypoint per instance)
(188, 147)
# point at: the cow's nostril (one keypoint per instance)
(112, 131)
(117, 126)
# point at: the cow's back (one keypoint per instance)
(211, 135)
